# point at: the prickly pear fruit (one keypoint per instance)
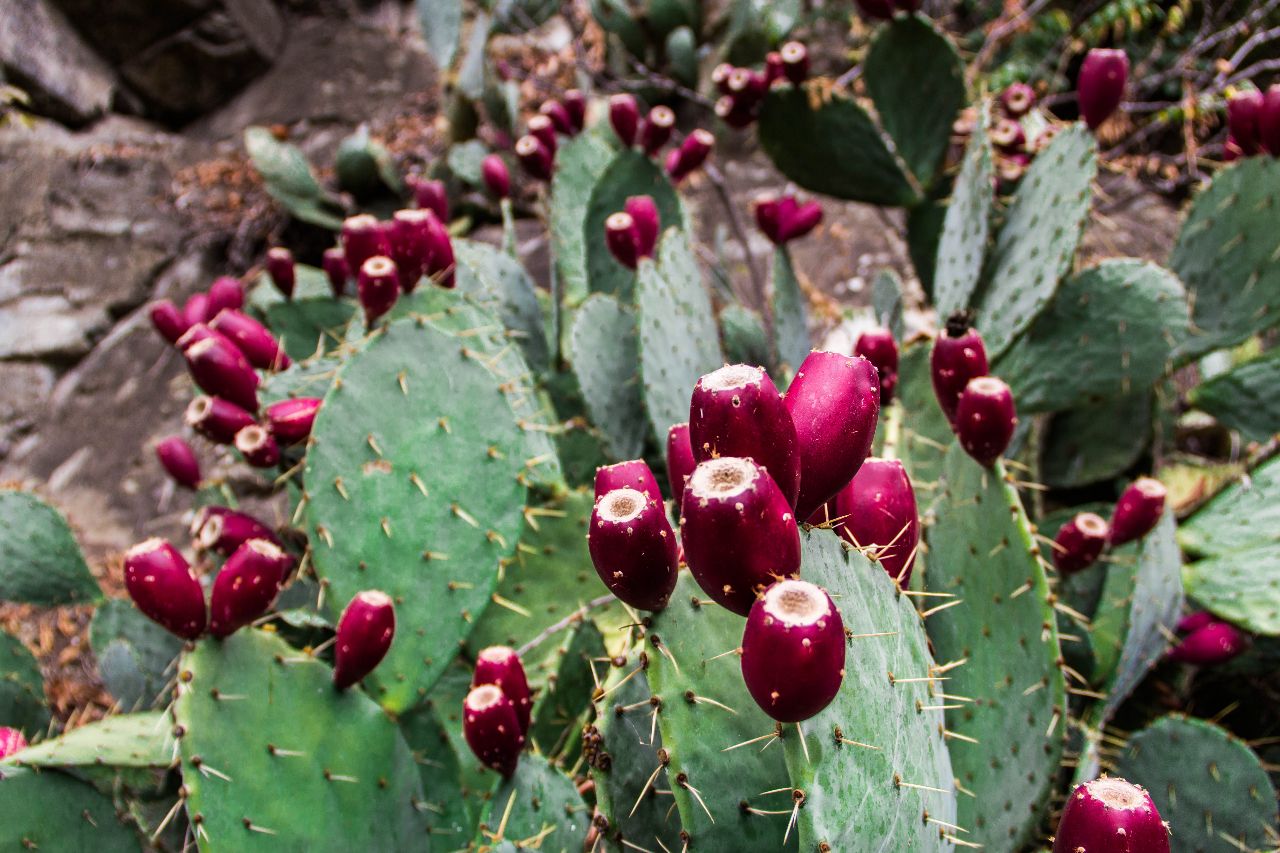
(492, 730)
(1210, 644)
(225, 530)
(255, 340)
(632, 474)
(196, 309)
(795, 62)
(432, 196)
(535, 157)
(738, 531)
(793, 651)
(161, 584)
(559, 116)
(544, 130)
(878, 508)
(246, 586)
(624, 118)
(225, 293)
(377, 287)
(411, 245)
(1008, 136)
(1100, 86)
(633, 548)
(985, 419)
(11, 741)
(290, 421)
(281, 270)
(496, 175)
(216, 419)
(958, 356)
(834, 402)
(656, 129)
(621, 238)
(258, 446)
(1079, 543)
(1244, 112)
(442, 263)
(179, 461)
(876, 10)
(644, 213)
(364, 237)
(1269, 120)
(690, 156)
(335, 269)
(221, 369)
(168, 320)
(737, 411)
(1110, 815)
(501, 666)
(365, 631)
(680, 461)
(878, 347)
(576, 104)
(1138, 510)
(1017, 99)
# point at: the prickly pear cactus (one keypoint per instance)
(558, 712)
(538, 807)
(51, 811)
(128, 751)
(966, 226)
(629, 173)
(1241, 398)
(1090, 443)
(21, 688)
(134, 654)
(580, 163)
(925, 433)
(743, 336)
(40, 562)
(791, 319)
(496, 281)
(604, 348)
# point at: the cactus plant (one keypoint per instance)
(40, 562)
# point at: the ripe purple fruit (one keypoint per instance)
(958, 356)
(11, 741)
(793, 651)
(1017, 99)
(737, 411)
(258, 446)
(576, 104)
(1110, 815)
(501, 667)
(216, 419)
(1244, 112)
(335, 268)
(632, 474)
(364, 237)
(834, 402)
(680, 461)
(1138, 510)
(225, 530)
(624, 118)
(281, 269)
(221, 369)
(246, 586)
(783, 218)
(365, 631)
(432, 196)
(225, 293)
(878, 347)
(377, 287)
(559, 115)
(497, 178)
(1269, 120)
(196, 309)
(168, 320)
(492, 730)
(795, 62)
(738, 531)
(1008, 135)
(633, 548)
(1100, 85)
(1210, 644)
(1079, 543)
(255, 340)
(179, 461)
(985, 419)
(442, 263)
(691, 154)
(544, 130)
(290, 421)
(535, 157)
(411, 245)
(656, 129)
(644, 213)
(878, 508)
(161, 584)
(620, 236)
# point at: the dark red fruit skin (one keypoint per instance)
(179, 461)
(246, 586)
(497, 178)
(535, 157)
(411, 245)
(196, 309)
(632, 474)
(624, 118)
(655, 130)
(290, 421)
(692, 153)
(492, 729)
(878, 347)
(1100, 86)
(335, 268)
(878, 507)
(1195, 621)
(876, 10)
(559, 116)
(364, 237)
(792, 671)
(161, 584)
(377, 287)
(738, 543)
(621, 237)
(636, 558)
(1091, 824)
(501, 667)
(795, 62)
(221, 369)
(644, 213)
(958, 356)
(1079, 543)
(365, 631)
(680, 461)
(217, 419)
(576, 103)
(258, 446)
(1244, 114)
(432, 196)
(799, 220)
(1138, 511)
(834, 402)
(1212, 644)
(252, 338)
(225, 530)
(168, 320)
(1269, 120)
(225, 293)
(1017, 99)
(281, 269)
(750, 420)
(11, 741)
(985, 419)
(442, 265)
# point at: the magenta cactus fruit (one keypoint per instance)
(559, 116)
(1017, 99)
(543, 129)
(221, 369)
(1079, 543)
(364, 237)
(633, 548)
(1244, 114)
(411, 245)
(783, 219)
(442, 264)
(746, 86)
(496, 175)
(281, 270)
(575, 102)
(501, 667)
(795, 62)
(258, 446)
(377, 287)
(632, 474)
(656, 129)
(1211, 644)
(492, 729)
(161, 584)
(958, 355)
(985, 419)
(179, 461)
(680, 461)
(624, 118)
(793, 651)
(620, 235)
(429, 195)
(1008, 135)
(1195, 621)
(738, 531)
(290, 421)
(334, 264)
(1269, 120)
(691, 154)
(1100, 86)
(735, 112)
(225, 530)
(878, 347)
(11, 741)
(1138, 510)
(1110, 815)
(168, 320)
(216, 419)
(834, 402)
(878, 508)
(246, 586)
(737, 411)
(644, 214)
(199, 332)
(365, 631)
(255, 340)
(225, 293)
(196, 309)
(535, 157)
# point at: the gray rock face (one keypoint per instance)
(41, 53)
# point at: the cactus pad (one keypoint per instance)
(132, 751)
(40, 562)
(51, 811)
(537, 808)
(925, 432)
(21, 688)
(1090, 443)
(452, 807)
(1242, 398)
(604, 348)
(579, 164)
(566, 693)
(966, 227)
(134, 654)
(497, 282)
(790, 317)
(743, 336)
(629, 173)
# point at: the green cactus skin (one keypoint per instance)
(259, 718)
(289, 179)
(130, 752)
(312, 321)
(1091, 443)
(1038, 239)
(21, 688)
(1215, 795)
(966, 228)
(1242, 398)
(309, 378)
(134, 654)
(413, 488)
(537, 808)
(886, 301)
(790, 316)
(982, 551)
(52, 811)
(366, 168)
(453, 802)
(496, 282)
(743, 337)
(885, 727)
(1242, 517)
(604, 347)
(562, 704)
(40, 562)
(925, 433)
(581, 162)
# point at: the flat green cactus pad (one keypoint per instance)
(452, 806)
(1243, 398)
(1208, 785)
(22, 703)
(886, 301)
(604, 347)
(566, 690)
(1243, 516)
(52, 811)
(537, 808)
(309, 378)
(967, 225)
(1093, 442)
(132, 751)
(791, 317)
(743, 336)
(313, 321)
(925, 433)
(135, 655)
(1001, 625)
(885, 727)
(290, 180)
(40, 562)
(432, 467)
(260, 718)
(497, 282)
(579, 164)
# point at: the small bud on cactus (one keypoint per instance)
(576, 103)
(878, 508)
(1138, 511)
(246, 586)
(1008, 135)
(644, 213)
(543, 129)
(793, 651)
(225, 530)
(196, 309)
(691, 154)
(492, 729)
(985, 419)
(1269, 120)
(621, 237)
(738, 531)
(746, 86)
(834, 402)
(161, 584)
(958, 356)
(428, 195)
(1079, 543)
(365, 631)
(377, 287)
(11, 741)
(737, 411)
(290, 421)
(559, 116)
(364, 237)
(1100, 86)
(1210, 644)
(179, 461)
(168, 320)
(656, 129)
(258, 446)
(535, 157)
(1017, 99)
(632, 474)
(497, 178)
(795, 62)
(221, 369)
(225, 293)
(216, 419)
(680, 461)
(1110, 815)
(252, 338)
(281, 269)
(624, 118)
(633, 548)
(501, 667)
(783, 218)
(878, 347)
(335, 268)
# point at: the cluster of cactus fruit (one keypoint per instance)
(482, 622)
